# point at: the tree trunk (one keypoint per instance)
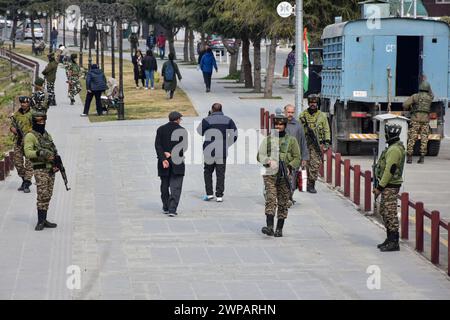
(145, 30)
(247, 65)
(186, 45)
(257, 63)
(170, 38)
(203, 39)
(191, 46)
(270, 68)
(33, 38)
(234, 55)
(242, 74)
(75, 38)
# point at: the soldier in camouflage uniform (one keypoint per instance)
(389, 172)
(22, 119)
(318, 122)
(50, 76)
(39, 98)
(420, 104)
(41, 151)
(73, 78)
(278, 149)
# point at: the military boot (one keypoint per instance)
(48, 224)
(22, 185)
(409, 159)
(311, 187)
(269, 229)
(279, 230)
(72, 102)
(385, 241)
(392, 244)
(41, 218)
(421, 159)
(26, 186)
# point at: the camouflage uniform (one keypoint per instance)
(284, 149)
(318, 122)
(389, 172)
(38, 148)
(73, 77)
(50, 76)
(39, 101)
(22, 164)
(420, 104)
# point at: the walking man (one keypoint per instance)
(53, 39)
(290, 63)
(161, 43)
(389, 172)
(73, 78)
(50, 76)
(39, 98)
(207, 63)
(220, 133)
(279, 153)
(295, 129)
(420, 105)
(170, 72)
(21, 125)
(317, 131)
(41, 151)
(171, 142)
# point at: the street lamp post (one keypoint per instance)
(121, 109)
(90, 23)
(80, 61)
(299, 56)
(98, 27)
(106, 30)
(113, 57)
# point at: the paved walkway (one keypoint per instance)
(110, 225)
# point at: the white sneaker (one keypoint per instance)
(219, 199)
(146, 88)
(83, 115)
(153, 88)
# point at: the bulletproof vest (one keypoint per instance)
(24, 120)
(39, 101)
(381, 164)
(284, 144)
(314, 123)
(424, 103)
(45, 142)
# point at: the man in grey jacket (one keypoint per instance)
(296, 130)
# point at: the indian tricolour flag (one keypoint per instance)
(305, 60)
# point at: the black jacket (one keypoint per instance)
(163, 143)
(96, 81)
(149, 63)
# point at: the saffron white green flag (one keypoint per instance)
(305, 60)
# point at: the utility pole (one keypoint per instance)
(298, 57)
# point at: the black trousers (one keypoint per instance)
(207, 78)
(98, 102)
(220, 178)
(171, 192)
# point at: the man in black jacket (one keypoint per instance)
(171, 142)
(220, 133)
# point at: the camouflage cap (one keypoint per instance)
(24, 99)
(280, 117)
(313, 98)
(39, 82)
(425, 86)
(38, 114)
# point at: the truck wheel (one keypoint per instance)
(354, 148)
(340, 147)
(433, 147)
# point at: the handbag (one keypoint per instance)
(285, 71)
(157, 76)
(302, 181)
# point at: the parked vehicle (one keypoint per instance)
(215, 42)
(2, 22)
(24, 30)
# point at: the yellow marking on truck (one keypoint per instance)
(363, 136)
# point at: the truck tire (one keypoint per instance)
(433, 147)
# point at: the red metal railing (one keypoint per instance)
(406, 203)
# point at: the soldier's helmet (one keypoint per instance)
(280, 118)
(425, 86)
(313, 98)
(39, 82)
(24, 99)
(392, 131)
(38, 114)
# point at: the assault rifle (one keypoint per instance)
(375, 181)
(283, 174)
(58, 164)
(19, 131)
(311, 136)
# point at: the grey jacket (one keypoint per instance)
(296, 130)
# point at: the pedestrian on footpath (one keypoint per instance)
(161, 43)
(318, 137)
(295, 129)
(73, 78)
(207, 64)
(420, 106)
(21, 124)
(53, 39)
(170, 72)
(279, 153)
(290, 63)
(138, 68)
(95, 85)
(39, 98)
(41, 151)
(389, 175)
(84, 36)
(171, 143)
(151, 40)
(150, 67)
(50, 76)
(220, 133)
